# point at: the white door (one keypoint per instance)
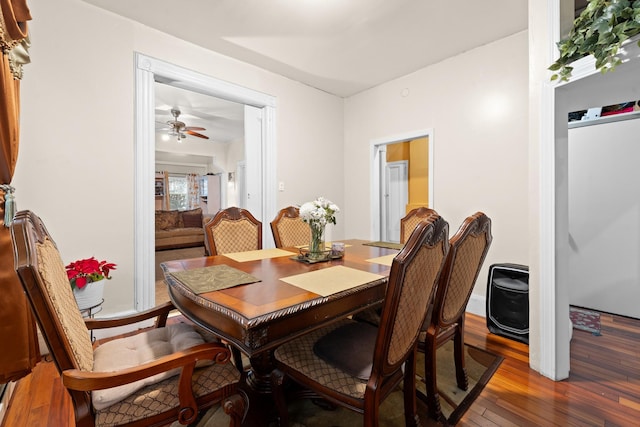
(213, 194)
(241, 187)
(251, 196)
(395, 198)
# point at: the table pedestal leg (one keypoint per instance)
(257, 384)
(259, 376)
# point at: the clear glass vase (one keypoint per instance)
(316, 244)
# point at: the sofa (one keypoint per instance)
(180, 229)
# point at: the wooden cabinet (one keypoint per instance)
(159, 187)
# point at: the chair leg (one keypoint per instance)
(409, 383)
(236, 407)
(430, 369)
(278, 392)
(372, 409)
(458, 351)
(237, 358)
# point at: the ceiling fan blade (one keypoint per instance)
(194, 128)
(199, 135)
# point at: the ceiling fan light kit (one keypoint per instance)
(180, 130)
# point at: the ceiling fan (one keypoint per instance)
(180, 130)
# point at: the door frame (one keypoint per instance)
(377, 146)
(148, 70)
(384, 214)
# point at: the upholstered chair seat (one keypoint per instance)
(146, 347)
(163, 396)
(299, 355)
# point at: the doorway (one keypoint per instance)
(148, 72)
(395, 197)
(386, 207)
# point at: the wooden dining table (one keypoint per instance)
(287, 299)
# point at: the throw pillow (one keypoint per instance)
(166, 220)
(138, 349)
(192, 218)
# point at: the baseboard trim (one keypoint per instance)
(477, 305)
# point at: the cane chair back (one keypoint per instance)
(468, 250)
(232, 230)
(409, 222)
(289, 229)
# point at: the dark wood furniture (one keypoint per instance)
(258, 317)
(357, 365)
(232, 230)
(289, 229)
(411, 220)
(468, 249)
(516, 395)
(176, 398)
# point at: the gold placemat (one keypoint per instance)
(213, 278)
(331, 280)
(384, 260)
(258, 254)
(387, 245)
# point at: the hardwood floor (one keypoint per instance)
(603, 388)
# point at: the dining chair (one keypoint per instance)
(232, 230)
(411, 219)
(357, 365)
(407, 224)
(468, 250)
(289, 229)
(152, 377)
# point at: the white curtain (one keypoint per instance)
(166, 200)
(192, 191)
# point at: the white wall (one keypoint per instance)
(76, 165)
(604, 217)
(477, 105)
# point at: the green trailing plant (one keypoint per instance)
(600, 30)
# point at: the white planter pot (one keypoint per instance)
(90, 295)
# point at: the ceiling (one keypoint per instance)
(338, 46)
(222, 120)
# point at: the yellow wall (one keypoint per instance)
(418, 173)
(398, 151)
(418, 150)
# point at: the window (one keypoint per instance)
(177, 192)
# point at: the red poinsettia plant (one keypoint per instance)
(85, 271)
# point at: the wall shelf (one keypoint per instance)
(606, 119)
